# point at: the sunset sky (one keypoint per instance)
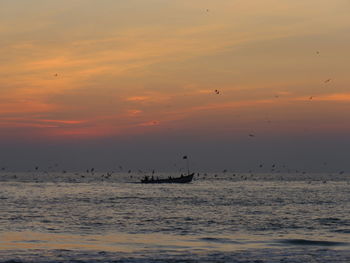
(132, 82)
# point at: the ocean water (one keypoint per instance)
(217, 218)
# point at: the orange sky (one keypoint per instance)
(89, 68)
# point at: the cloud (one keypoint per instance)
(138, 98)
(149, 123)
(335, 97)
(332, 97)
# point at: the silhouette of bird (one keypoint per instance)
(217, 92)
(36, 167)
(261, 165)
(251, 135)
(327, 80)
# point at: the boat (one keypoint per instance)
(183, 179)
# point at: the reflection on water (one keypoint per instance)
(263, 217)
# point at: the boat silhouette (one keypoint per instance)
(183, 179)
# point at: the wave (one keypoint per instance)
(306, 242)
(219, 240)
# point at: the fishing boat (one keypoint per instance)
(183, 179)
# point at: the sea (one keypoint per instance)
(219, 217)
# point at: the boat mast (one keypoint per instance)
(188, 164)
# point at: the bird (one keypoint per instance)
(217, 92)
(327, 80)
(56, 75)
(311, 97)
(251, 135)
(261, 165)
(317, 52)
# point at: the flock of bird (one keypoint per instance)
(271, 168)
(109, 174)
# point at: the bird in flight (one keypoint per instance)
(251, 135)
(327, 80)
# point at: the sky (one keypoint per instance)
(109, 82)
